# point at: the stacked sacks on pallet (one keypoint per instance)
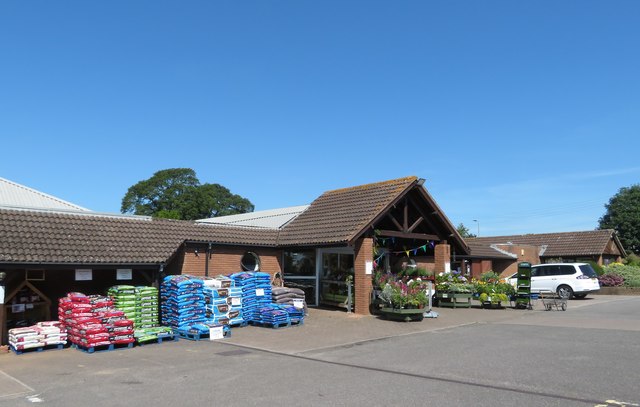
(52, 332)
(146, 307)
(263, 289)
(236, 317)
(247, 282)
(182, 301)
(296, 315)
(153, 333)
(124, 299)
(272, 315)
(288, 295)
(202, 330)
(42, 334)
(93, 321)
(217, 304)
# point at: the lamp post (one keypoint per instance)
(478, 222)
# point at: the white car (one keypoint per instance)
(568, 280)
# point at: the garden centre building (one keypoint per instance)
(49, 247)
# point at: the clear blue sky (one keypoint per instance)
(524, 115)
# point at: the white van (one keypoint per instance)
(568, 280)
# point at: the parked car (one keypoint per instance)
(568, 280)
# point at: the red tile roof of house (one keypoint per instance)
(584, 243)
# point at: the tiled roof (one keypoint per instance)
(336, 217)
(272, 218)
(15, 195)
(485, 251)
(55, 237)
(584, 243)
(340, 215)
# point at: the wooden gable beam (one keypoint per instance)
(407, 235)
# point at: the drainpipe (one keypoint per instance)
(206, 261)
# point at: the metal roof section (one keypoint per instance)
(269, 219)
(14, 195)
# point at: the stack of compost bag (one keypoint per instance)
(263, 289)
(37, 336)
(124, 299)
(182, 301)
(93, 321)
(288, 295)
(224, 301)
(146, 307)
(236, 317)
(247, 282)
(272, 315)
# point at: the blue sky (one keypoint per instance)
(523, 115)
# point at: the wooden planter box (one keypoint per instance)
(403, 314)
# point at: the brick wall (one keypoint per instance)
(226, 260)
(362, 281)
(442, 257)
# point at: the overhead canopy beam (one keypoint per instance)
(407, 235)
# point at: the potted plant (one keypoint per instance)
(404, 301)
(453, 290)
(491, 291)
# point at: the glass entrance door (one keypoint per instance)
(300, 272)
(336, 274)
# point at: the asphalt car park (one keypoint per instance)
(585, 356)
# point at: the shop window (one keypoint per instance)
(301, 263)
(250, 262)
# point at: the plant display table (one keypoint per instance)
(454, 300)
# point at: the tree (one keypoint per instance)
(464, 231)
(623, 215)
(176, 193)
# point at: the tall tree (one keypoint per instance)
(176, 193)
(464, 231)
(623, 215)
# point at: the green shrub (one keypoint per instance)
(632, 260)
(596, 267)
(631, 274)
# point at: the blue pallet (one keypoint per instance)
(102, 348)
(274, 325)
(160, 339)
(192, 336)
(38, 349)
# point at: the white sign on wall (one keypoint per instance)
(84, 274)
(124, 274)
(1, 294)
(368, 267)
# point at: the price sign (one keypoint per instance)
(216, 332)
(259, 292)
(298, 303)
(236, 301)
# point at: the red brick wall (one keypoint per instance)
(362, 281)
(442, 256)
(226, 260)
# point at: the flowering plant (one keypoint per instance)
(490, 288)
(404, 295)
(453, 282)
